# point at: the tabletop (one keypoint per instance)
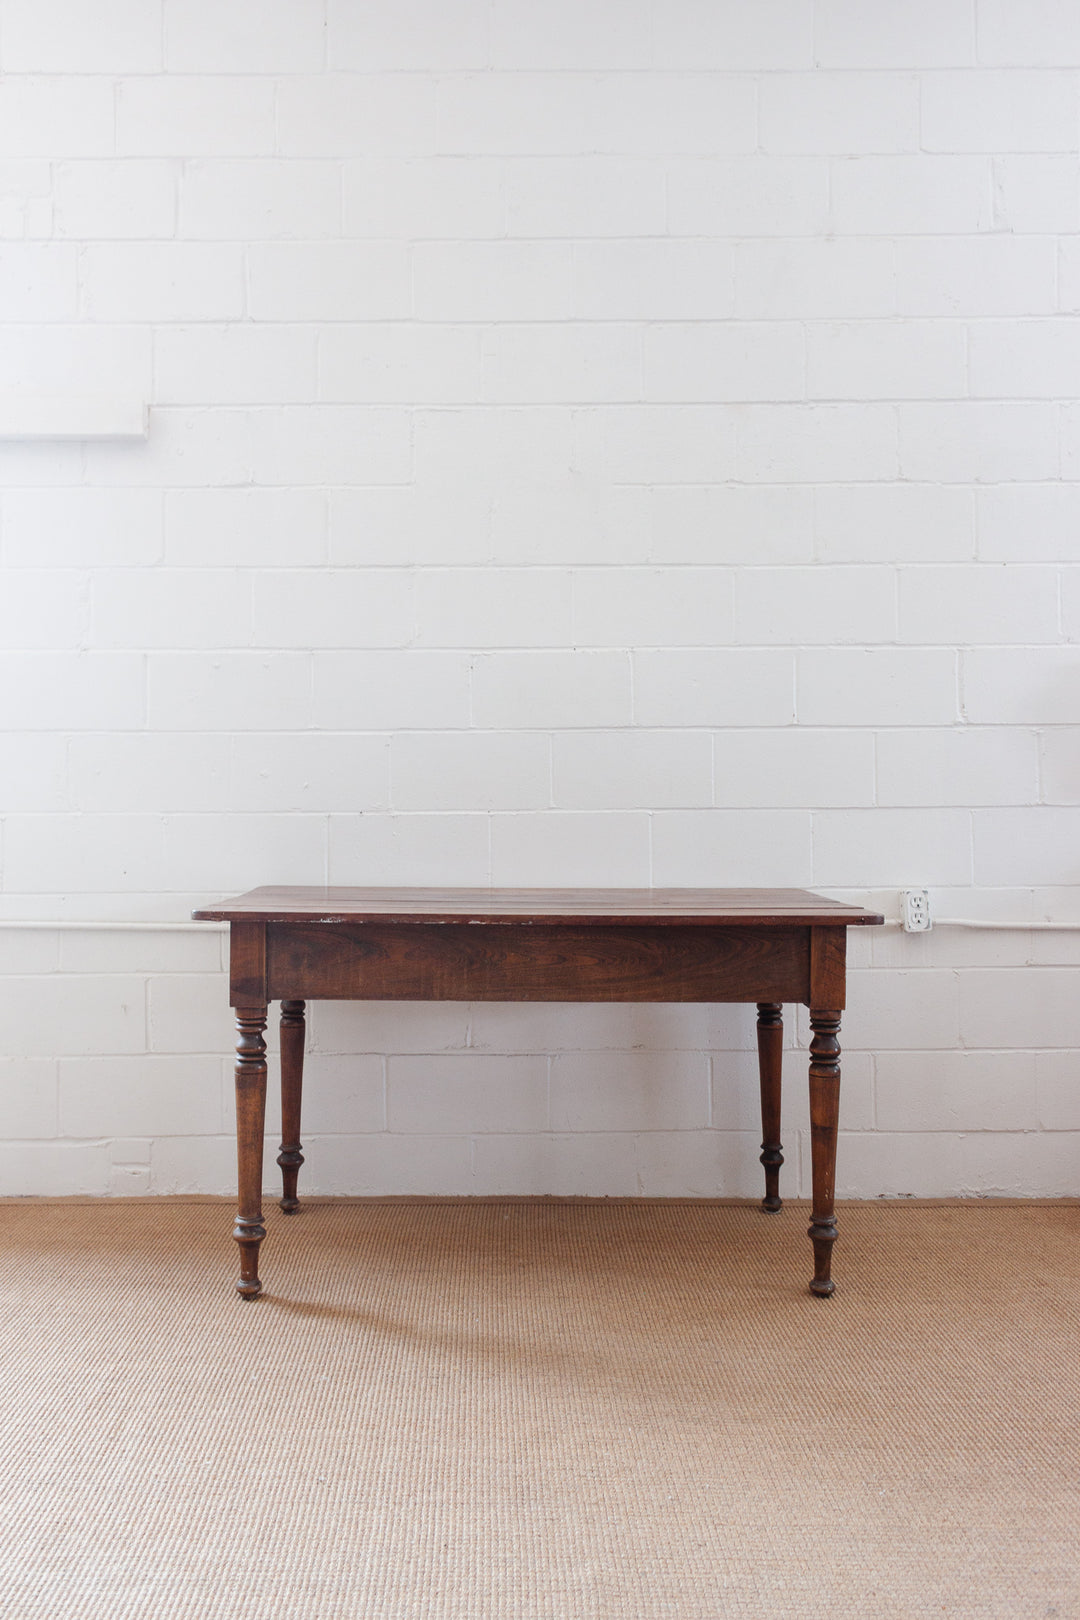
(579, 907)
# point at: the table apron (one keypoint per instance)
(533, 962)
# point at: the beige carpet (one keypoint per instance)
(461, 1410)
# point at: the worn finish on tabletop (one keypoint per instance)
(764, 946)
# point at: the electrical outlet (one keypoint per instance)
(915, 911)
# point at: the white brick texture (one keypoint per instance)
(589, 444)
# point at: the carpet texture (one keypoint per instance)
(547, 1410)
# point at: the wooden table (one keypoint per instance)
(767, 946)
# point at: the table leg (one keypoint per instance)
(770, 1043)
(292, 1082)
(249, 1230)
(824, 1118)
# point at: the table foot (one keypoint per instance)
(249, 1235)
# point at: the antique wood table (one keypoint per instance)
(767, 946)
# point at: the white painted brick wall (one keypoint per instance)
(594, 443)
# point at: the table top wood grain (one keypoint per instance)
(579, 907)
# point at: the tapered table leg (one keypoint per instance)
(249, 1230)
(824, 1119)
(770, 1042)
(292, 1082)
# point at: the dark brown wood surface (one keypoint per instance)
(584, 907)
(767, 946)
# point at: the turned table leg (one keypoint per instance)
(770, 1041)
(249, 1230)
(292, 1081)
(824, 1118)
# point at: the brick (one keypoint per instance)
(976, 275)
(894, 1164)
(333, 608)
(160, 771)
(563, 849)
(467, 1093)
(54, 1169)
(978, 442)
(418, 848)
(918, 34)
(470, 771)
(52, 691)
(808, 443)
(38, 281)
(714, 687)
(237, 852)
(957, 765)
(552, 688)
(789, 767)
(586, 196)
(245, 527)
(839, 112)
(1036, 194)
(1036, 844)
(731, 848)
(385, 1164)
(652, 281)
(527, 364)
(390, 690)
(979, 603)
(331, 444)
(1057, 1091)
(234, 365)
(42, 608)
(878, 686)
(797, 606)
(1029, 521)
(1059, 766)
(56, 1015)
(309, 771)
(417, 35)
(753, 360)
(595, 1164)
(494, 447)
(328, 281)
(701, 113)
(997, 1164)
(917, 195)
(574, 518)
(955, 1091)
(243, 36)
(139, 1096)
(168, 607)
(53, 117)
(853, 847)
(875, 360)
(342, 115)
(1024, 359)
(524, 112)
(893, 523)
(1002, 1008)
(34, 771)
(565, 36)
(749, 196)
(448, 197)
(345, 1094)
(130, 197)
(198, 116)
(399, 362)
(80, 853)
(101, 950)
(121, 36)
(443, 525)
(666, 444)
(813, 279)
(629, 1091)
(162, 281)
(750, 523)
(999, 112)
(1021, 686)
(222, 199)
(624, 770)
(492, 607)
(491, 281)
(773, 34)
(915, 1011)
(645, 607)
(228, 691)
(188, 446)
(1046, 34)
(204, 1164)
(29, 1090)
